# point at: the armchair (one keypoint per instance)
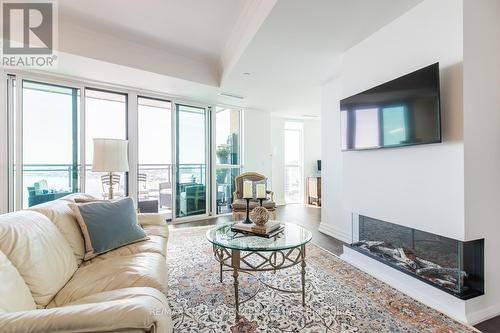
(239, 204)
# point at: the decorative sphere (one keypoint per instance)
(259, 215)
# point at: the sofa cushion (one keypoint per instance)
(151, 219)
(73, 197)
(107, 225)
(130, 310)
(137, 270)
(155, 244)
(156, 230)
(14, 293)
(59, 212)
(38, 250)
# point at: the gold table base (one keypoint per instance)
(240, 261)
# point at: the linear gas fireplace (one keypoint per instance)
(453, 266)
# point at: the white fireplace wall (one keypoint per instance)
(420, 186)
(482, 142)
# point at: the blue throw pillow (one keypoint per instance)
(107, 225)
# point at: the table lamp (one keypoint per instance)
(110, 155)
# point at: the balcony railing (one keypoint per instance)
(63, 178)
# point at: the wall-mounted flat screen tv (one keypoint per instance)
(402, 112)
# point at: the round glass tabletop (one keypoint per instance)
(292, 236)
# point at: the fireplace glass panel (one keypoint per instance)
(451, 265)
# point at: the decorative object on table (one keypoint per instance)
(260, 191)
(268, 230)
(247, 195)
(107, 225)
(239, 204)
(259, 215)
(110, 155)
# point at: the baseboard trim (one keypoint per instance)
(479, 316)
(335, 233)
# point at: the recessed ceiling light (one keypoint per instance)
(231, 95)
(247, 73)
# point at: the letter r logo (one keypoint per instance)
(27, 27)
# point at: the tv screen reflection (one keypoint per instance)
(401, 112)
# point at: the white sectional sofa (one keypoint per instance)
(45, 286)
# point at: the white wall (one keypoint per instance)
(335, 219)
(312, 146)
(256, 141)
(420, 186)
(278, 165)
(482, 142)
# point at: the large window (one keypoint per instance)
(155, 156)
(50, 142)
(294, 188)
(105, 117)
(183, 158)
(227, 156)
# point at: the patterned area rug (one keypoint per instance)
(340, 298)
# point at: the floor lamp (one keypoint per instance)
(110, 155)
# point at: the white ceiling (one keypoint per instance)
(196, 28)
(298, 48)
(290, 47)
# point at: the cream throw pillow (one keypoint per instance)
(39, 251)
(14, 293)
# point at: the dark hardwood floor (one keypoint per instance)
(490, 326)
(307, 216)
(310, 217)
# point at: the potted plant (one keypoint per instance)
(222, 154)
(221, 176)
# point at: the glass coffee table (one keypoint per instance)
(244, 253)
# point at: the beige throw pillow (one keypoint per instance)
(14, 293)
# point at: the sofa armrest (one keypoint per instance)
(139, 309)
(150, 219)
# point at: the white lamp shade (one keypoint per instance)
(110, 155)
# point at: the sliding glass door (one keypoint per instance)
(191, 197)
(227, 156)
(49, 142)
(105, 117)
(154, 181)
